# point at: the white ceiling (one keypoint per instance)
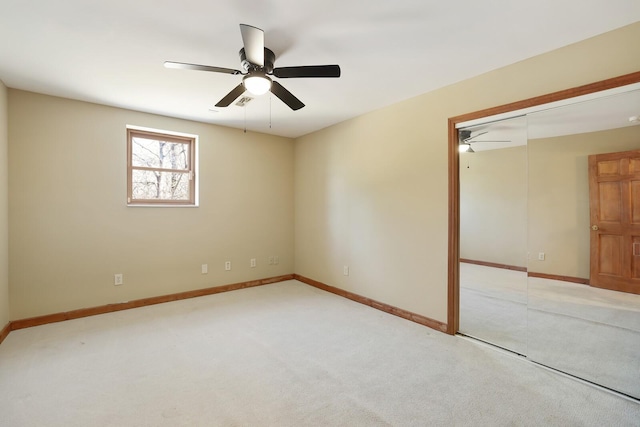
(609, 112)
(112, 52)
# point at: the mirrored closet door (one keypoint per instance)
(550, 237)
(493, 233)
(584, 214)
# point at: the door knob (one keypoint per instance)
(594, 227)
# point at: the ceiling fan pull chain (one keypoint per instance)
(270, 97)
(245, 118)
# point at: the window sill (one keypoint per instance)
(159, 205)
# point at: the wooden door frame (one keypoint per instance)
(453, 307)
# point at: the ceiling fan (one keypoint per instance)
(466, 139)
(257, 62)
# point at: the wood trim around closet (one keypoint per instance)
(453, 276)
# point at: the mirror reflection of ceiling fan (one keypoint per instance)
(466, 138)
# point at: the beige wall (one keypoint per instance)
(4, 208)
(559, 197)
(71, 231)
(371, 192)
(493, 206)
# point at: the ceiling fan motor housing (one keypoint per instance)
(269, 59)
(463, 135)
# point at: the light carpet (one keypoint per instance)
(284, 354)
(588, 332)
(493, 306)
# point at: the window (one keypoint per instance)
(160, 168)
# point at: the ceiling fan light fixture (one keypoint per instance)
(257, 84)
(465, 147)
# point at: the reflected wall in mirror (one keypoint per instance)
(493, 233)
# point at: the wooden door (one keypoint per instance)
(614, 199)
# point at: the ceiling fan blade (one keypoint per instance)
(307, 71)
(231, 96)
(285, 96)
(469, 138)
(253, 40)
(183, 66)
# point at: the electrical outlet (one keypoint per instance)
(227, 265)
(345, 270)
(118, 279)
(252, 263)
(541, 256)
(205, 268)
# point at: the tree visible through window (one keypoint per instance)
(160, 168)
